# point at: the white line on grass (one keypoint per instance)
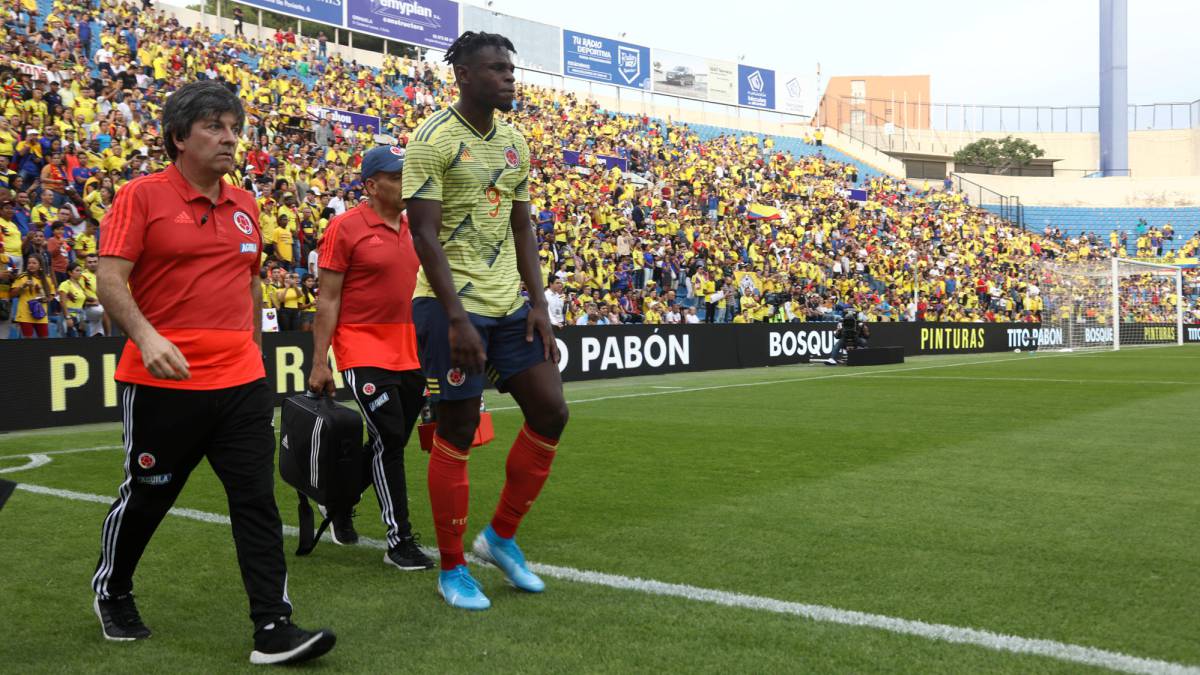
(735, 385)
(666, 390)
(69, 451)
(1026, 379)
(1061, 651)
(81, 428)
(34, 462)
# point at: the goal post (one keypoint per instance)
(1109, 304)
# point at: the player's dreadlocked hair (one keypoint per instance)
(470, 42)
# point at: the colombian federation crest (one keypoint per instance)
(456, 377)
(396, 150)
(146, 460)
(368, 388)
(511, 157)
(241, 220)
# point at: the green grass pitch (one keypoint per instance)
(1049, 497)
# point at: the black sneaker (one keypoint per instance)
(341, 528)
(407, 555)
(119, 619)
(282, 641)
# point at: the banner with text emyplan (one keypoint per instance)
(321, 11)
(429, 23)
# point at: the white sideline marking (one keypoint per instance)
(34, 462)
(664, 387)
(688, 390)
(70, 451)
(1027, 379)
(1061, 651)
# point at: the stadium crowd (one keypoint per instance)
(727, 229)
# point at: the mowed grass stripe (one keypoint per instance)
(1005, 643)
(1059, 511)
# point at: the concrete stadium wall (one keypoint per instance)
(1105, 192)
(1151, 153)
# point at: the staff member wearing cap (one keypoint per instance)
(179, 273)
(368, 272)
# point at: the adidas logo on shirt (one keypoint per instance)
(375, 240)
(183, 218)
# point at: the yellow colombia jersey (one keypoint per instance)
(476, 178)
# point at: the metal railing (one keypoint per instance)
(1008, 207)
(1005, 118)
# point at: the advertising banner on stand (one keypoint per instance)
(789, 93)
(573, 157)
(679, 74)
(722, 82)
(756, 87)
(345, 118)
(590, 57)
(329, 12)
(428, 23)
(539, 46)
(71, 381)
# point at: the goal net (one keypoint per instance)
(1110, 304)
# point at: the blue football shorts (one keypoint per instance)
(508, 353)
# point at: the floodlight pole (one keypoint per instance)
(1114, 88)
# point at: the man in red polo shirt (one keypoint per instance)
(179, 273)
(368, 272)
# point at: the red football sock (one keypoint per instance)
(525, 472)
(449, 495)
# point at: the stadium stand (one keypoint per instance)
(702, 223)
(1074, 221)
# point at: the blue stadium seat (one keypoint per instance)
(791, 144)
(1074, 220)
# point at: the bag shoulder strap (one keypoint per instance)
(309, 540)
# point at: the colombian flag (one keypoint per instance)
(763, 212)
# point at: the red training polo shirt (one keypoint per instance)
(192, 263)
(374, 326)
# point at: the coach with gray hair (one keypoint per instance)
(179, 272)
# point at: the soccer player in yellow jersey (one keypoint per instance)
(466, 180)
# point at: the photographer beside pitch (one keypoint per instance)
(179, 273)
(368, 271)
(853, 331)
